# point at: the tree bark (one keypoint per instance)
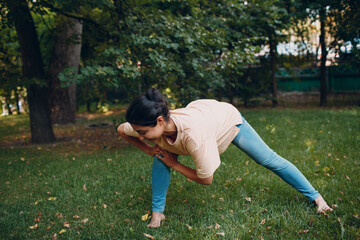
(66, 54)
(40, 122)
(323, 89)
(273, 53)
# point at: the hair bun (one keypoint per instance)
(145, 109)
(154, 95)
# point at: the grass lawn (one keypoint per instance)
(92, 185)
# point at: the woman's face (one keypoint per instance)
(148, 132)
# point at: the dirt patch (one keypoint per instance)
(92, 132)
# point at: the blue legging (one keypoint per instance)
(250, 142)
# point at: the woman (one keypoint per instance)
(202, 130)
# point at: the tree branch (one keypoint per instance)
(70, 15)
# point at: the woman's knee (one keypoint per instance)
(272, 161)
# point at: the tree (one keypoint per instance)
(269, 19)
(345, 13)
(33, 71)
(318, 10)
(66, 54)
(323, 87)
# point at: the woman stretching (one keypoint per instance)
(203, 130)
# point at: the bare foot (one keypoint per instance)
(322, 206)
(156, 219)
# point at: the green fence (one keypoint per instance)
(339, 79)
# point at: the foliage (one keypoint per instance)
(345, 13)
(198, 49)
(160, 45)
(10, 65)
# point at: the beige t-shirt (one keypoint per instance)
(205, 128)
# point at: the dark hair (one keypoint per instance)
(145, 109)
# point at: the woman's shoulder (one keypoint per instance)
(202, 102)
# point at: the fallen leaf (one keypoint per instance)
(221, 199)
(85, 220)
(84, 187)
(303, 231)
(217, 226)
(34, 227)
(54, 237)
(262, 222)
(36, 203)
(145, 217)
(66, 224)
(62, 231)
(347, 178)
(59, 215)
(148, 236)
(104, 206)
(356, 216)
(220, 233)
(248, 199)
(189, 227)
(22, 159)
(37, 219)
(308, 142)
(52, 198)
(76, 217)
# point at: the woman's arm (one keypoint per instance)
(170, 160)
(143, 146)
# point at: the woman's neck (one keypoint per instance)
(170, 129)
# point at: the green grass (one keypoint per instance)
(323, 144)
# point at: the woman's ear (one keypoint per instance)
(160, 120)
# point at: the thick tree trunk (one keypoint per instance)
(273, 53)
(323, 89)
(40, 123)
(66, 54)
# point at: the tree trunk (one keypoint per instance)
(273, 53)
(66, 54)
(17, 102)
(323, 90)
(40, 123)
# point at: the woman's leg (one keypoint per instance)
(160, 184)
(251, 143)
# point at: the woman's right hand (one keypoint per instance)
(154, 150)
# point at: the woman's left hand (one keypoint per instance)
(170, 159)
